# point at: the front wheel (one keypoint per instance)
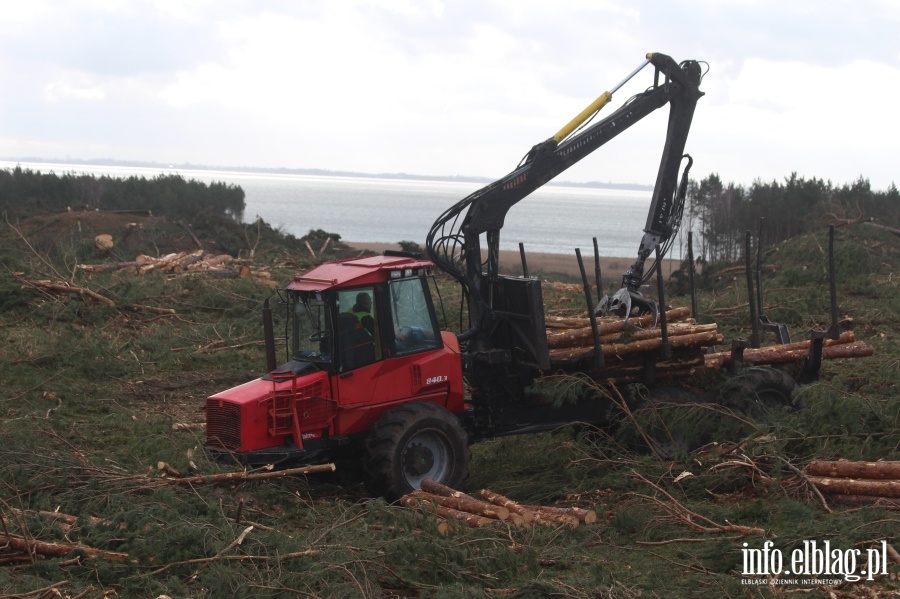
(413, 442)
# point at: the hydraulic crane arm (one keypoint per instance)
(454, 241)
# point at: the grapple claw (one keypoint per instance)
(627, 303)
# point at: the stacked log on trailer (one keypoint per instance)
(626, 349)
(845, 346)
(448, 505)
(857, 483)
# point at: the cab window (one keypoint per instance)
(414, 325)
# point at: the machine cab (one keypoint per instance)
(367, 319)
(370, 323)
(361, 338)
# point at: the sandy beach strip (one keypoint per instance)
(542, 264)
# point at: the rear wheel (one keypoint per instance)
(413, 442)
(760, 391)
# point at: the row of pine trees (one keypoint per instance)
(720, 215)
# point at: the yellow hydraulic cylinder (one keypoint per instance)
(584, 115)
(595, 106)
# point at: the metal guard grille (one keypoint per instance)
(315, 411)
(223, 424)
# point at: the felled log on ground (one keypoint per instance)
(148, 263)
(185, 263)
(549, 516)
(857, 486)
(456, 505)
(465, 504)
(470, 520)
(857, 483)
(435, 488)
(513, 507)
(582, 515)
(849, 469)
(55, 549)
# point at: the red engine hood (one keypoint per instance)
(260, 413)
(262, 389)
(251, 391)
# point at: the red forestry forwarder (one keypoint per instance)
(370, 376)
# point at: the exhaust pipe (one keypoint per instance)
(269, 335)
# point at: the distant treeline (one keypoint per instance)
(719, 214)
(24, 193)
(722, 214)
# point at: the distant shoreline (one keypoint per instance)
(542, 263)
(102, 162)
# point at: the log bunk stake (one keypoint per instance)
(678, 347)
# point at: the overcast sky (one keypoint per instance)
(449, 87)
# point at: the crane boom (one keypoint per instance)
(454, 241)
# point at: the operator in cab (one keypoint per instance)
(362, 309)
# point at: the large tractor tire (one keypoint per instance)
(413, 442)
(759, 391)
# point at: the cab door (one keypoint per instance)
(394, 362)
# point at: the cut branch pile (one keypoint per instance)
(198, 262)
(173, 476)
(19, 545)
(449, 505)
(23, 547)
(845, 347)
(857, 483)
(60, 287)
(674, 511)
(626, 351)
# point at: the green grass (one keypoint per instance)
(91, 392)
